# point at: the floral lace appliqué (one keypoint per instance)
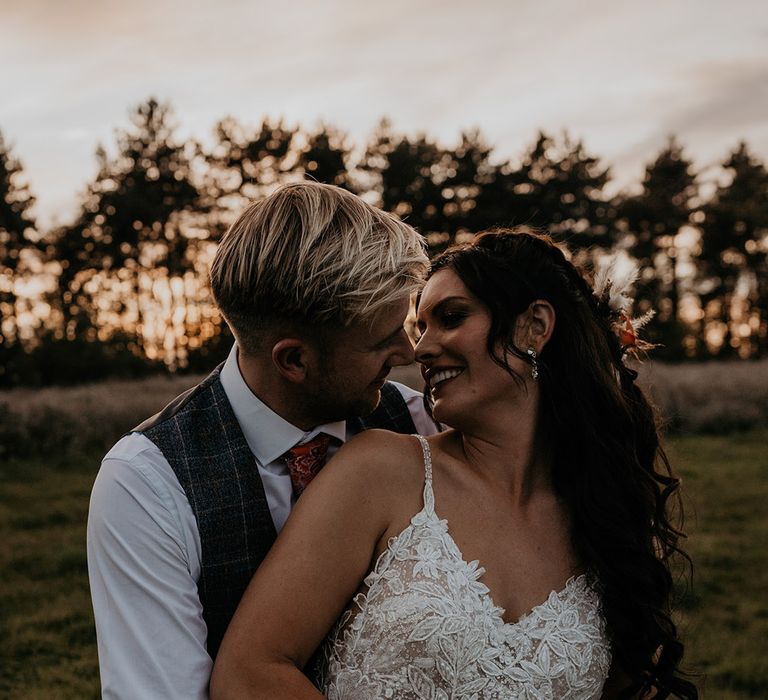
(427, 629)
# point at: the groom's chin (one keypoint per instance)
(346, 409)
(368, 404)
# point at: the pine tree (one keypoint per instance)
(409, 175)
(652, 221)
(734, 242)
(559, 187)
(470, 171)
(135, 232)
(244, 165)
(325, 157)
(438, 190)
(17, 228)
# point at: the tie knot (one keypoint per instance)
(305, 461)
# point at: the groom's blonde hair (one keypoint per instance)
(313, 255)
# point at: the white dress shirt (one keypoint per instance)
(144, 549)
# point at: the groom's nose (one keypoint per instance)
(402, 353)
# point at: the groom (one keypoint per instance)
(315, 285)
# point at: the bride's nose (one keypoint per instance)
(426, 346)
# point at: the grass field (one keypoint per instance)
(725, 618)
(47, 645)
(47, 640)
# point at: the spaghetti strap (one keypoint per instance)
(429, 496)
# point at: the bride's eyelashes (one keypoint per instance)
(447, 320)
(444, 319)
(452, 319)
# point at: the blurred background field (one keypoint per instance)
(53, 440)
(55, 422)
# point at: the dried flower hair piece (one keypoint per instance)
(612, 285)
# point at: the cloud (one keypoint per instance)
(716, 105)
(731, 96)
(619, 76)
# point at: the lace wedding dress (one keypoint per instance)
(427, 629)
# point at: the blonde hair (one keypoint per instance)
(313, 254)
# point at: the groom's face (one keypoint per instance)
(358, 361)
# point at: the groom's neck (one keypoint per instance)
(281, 396)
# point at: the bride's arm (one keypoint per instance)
(312, 571)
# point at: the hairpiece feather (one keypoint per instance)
(612, 286)
(613, 281)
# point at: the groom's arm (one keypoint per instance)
(143, 565)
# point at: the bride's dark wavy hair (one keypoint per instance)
(608, 465)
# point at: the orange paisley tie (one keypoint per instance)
(305, 461)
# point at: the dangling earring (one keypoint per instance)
(534, 364)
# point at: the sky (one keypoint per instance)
(621, 76)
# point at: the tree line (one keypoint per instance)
(122, 290)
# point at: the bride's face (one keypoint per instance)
(453, 350)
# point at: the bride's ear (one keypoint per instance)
(535, 325)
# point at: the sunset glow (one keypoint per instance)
(620, 77)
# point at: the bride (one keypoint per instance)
(523, 553)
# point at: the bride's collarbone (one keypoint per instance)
(526, 553)
(522, 568)
(467, 496)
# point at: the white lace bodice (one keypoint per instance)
(427, 629)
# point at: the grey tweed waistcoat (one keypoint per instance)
(201, 439)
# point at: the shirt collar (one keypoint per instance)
(268, 435)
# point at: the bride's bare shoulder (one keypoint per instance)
(387, 460)
(376, 477)
(380, 448)
(377, 443)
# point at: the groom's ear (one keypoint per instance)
(292, 357)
